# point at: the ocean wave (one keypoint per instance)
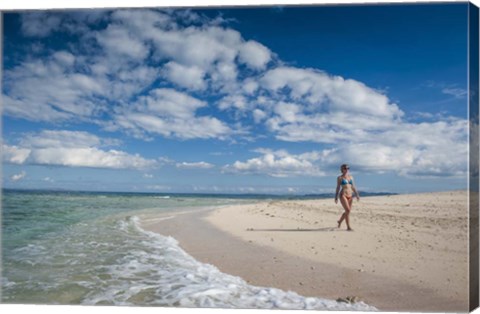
(160, 273)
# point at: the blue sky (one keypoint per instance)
(259, 100)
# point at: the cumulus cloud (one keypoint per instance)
(170, 113)
(117, 40)
(425, 149)
(408, 149)
(14, 154)
(210, 52)
(259, 115)
(107, 66)
(50, 90)
(194, 165)
(254, 55)
(190, 77)
(39, 24)
(72, 149)
(297, 104)
(236, 101)
(89, 157)
(306, 105)
(19, 176)
(153, 73)
(332, 93)
(277, 164)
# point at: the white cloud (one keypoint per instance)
(14, 154)
(194, 165)
(456, 92)
(254, 55)
(236, 101)
(190, 77)
(139, 19)
(103, 69)
(277, 164)
(72, 149)
(448, 89)
(249, 86)
(305, 105)
(39, 24)
(429, 149)
(19, 176)
(259, 115)
(108, 78)
(48, 179)
(202, 47)
(61, 138)
(49, 90)
(170, 103)
(287, 112)
(409, 149)
(209, 53)
(308, 105)
(148, 175)
(118, 41)
(332, 93)
(440, 150)
(89, 157)
(64, 58)
(171, 114)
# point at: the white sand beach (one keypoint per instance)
(406, 253)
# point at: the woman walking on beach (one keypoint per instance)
(345, 182)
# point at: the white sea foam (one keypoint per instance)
(159, 272)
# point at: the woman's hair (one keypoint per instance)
(343, 166)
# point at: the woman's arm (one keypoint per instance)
(338, 190)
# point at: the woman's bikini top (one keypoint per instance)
(345, 182)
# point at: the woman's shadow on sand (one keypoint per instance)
(326, 229)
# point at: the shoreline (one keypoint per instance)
(291, 248)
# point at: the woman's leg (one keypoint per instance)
(341, 220)
(346, 206)
(350, 202)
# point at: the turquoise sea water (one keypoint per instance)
(89, 248)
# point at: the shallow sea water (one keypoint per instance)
(89, 248)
